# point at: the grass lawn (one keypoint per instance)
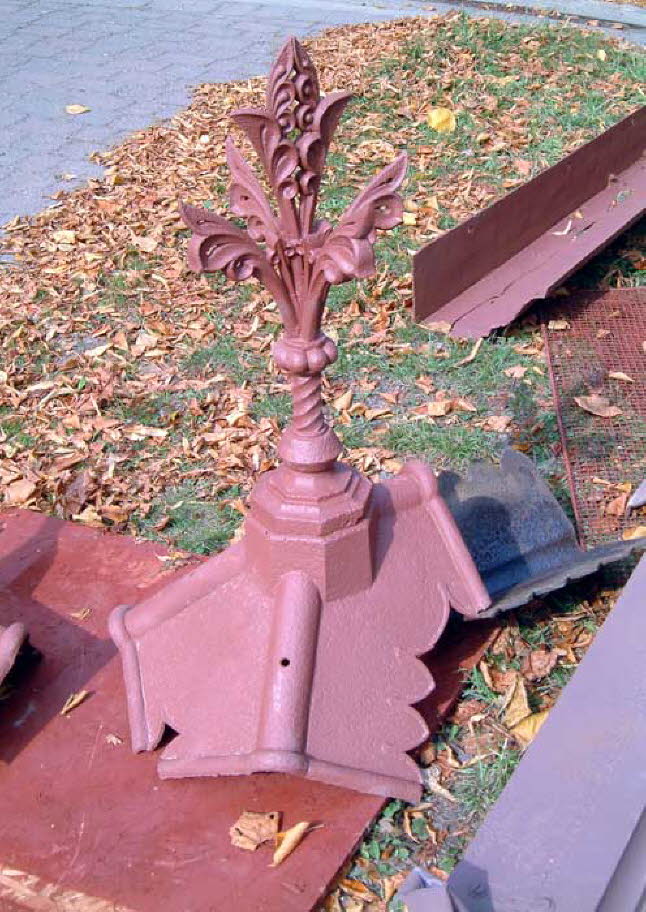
(138, 396)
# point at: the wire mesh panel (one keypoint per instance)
(596, 349)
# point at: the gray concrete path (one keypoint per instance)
(132, 62)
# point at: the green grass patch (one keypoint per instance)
(477, 787)
(199, 522)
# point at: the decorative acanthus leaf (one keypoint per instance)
(378, 205)
(343, 258)
(328, 114)
(248, 199)
(278, 155)
(347, 251)
(312, 145)
(217, 244)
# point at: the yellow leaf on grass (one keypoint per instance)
(441, 119)
(409, 219)
(527, 729)
(635, 532)
(517, 704)
(286, 842)
(601, 54)
(76, 109)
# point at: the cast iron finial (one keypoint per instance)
(301, 257)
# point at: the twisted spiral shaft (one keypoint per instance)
(307, 418)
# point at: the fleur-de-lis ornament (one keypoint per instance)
(296, 257)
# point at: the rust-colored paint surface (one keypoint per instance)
(605, 335)
(81, 812)
(488, 270)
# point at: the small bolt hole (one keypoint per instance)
(284, 662)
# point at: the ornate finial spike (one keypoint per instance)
(300, 258)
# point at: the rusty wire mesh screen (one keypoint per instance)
(605, 335)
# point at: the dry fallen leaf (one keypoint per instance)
(635, 532)
(76, 109)
(619, 375)
(357, 889)
(558, 324)
(286, 842)
(463, 405)
(601, 54)
(343, 402)
(409, 219)
(517, 704)
(74, 700)
(526, 730)
(373, 414)
(539, 663)
(439, 407)
(616, 506)
(497, 423)
(441, 119)
(501, 681)
(433, 784)
(81, 615)
(64, 236)
(598, 405)
(252, 828)
(565, 230)
(465, 710)
(440, 326)
(392, 884)
(147, 244)
(486, 674)
(516, 371)
(19, 492)
(471, 356)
